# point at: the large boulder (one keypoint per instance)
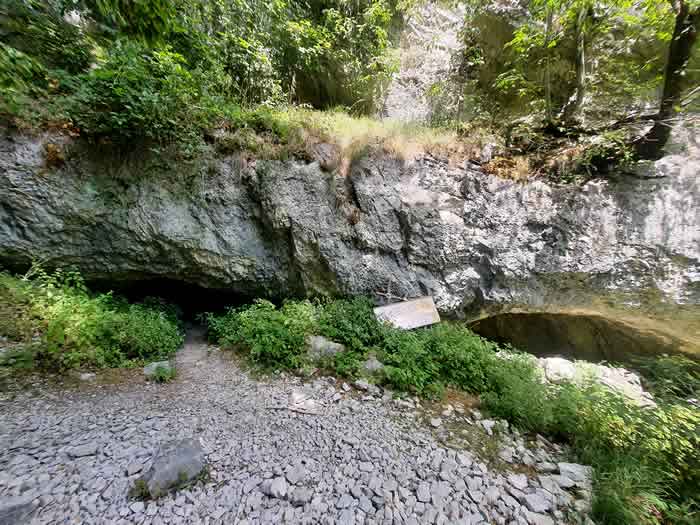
(175, 464)
(625, 249)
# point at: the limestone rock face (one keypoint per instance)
(627, 247)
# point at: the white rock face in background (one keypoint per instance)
(429, 42)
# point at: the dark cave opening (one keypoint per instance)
(588, 337)
(191, 300)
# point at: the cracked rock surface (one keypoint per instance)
(69, 453)
(622, 253)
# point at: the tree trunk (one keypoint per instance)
(547, 72)
(685, 33)
(573, 108)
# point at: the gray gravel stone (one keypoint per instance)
(89, 449)
(15, 510)
(355, 455)
(519, 481)
(423, 492)
(536, 503)
(275, 488)
(576, 472)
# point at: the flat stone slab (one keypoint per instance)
(409, 314)
(15, 510)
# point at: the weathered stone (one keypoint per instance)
(519, 481)
(558, 370)
(320, 347)
(89, 449)
(275, 488)
(300, 496)
(576, 472)
(423, 492)
(15, 510)
(176, 463)
(372, 365)
(536, 503)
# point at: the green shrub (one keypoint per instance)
(516, 393)
(275, 337)
(646, 463)
(139, 92)
(37, 27)
(77, 328)
(351, 322)
(409, 365)
(671, 377)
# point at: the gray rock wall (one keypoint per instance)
(628, 247)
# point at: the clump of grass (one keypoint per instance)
(670, 377)
(164, 374)
(294, 132)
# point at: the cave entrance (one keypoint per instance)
(587, 337)
(190, 299)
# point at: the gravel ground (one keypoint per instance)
(69, 453)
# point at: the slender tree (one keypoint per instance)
(685, 33)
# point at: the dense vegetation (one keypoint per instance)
(646, 461)
(168, 70)
(558, 79)
(55, 323)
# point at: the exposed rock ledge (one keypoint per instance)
(626, 248)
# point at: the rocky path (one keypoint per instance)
(69, 452)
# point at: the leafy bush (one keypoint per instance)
(80, 329)
(140, 93)
(516, 393)
(275, 337)
(38, 28)
(351, 322)
(646, 462)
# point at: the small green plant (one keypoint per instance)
(139, 491)
(275, 337)
(164, 374)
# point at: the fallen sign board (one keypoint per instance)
(409, 314)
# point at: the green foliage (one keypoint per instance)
(671, 377)
(516, 393)
(76, 328)
(138, 92)
(646, 463)
(167, 71)
(38, 28)
(275, 337)
(607, 150)
(163, 374)
(351, 322)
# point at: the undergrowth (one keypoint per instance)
(58, 324)
(647, 469)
